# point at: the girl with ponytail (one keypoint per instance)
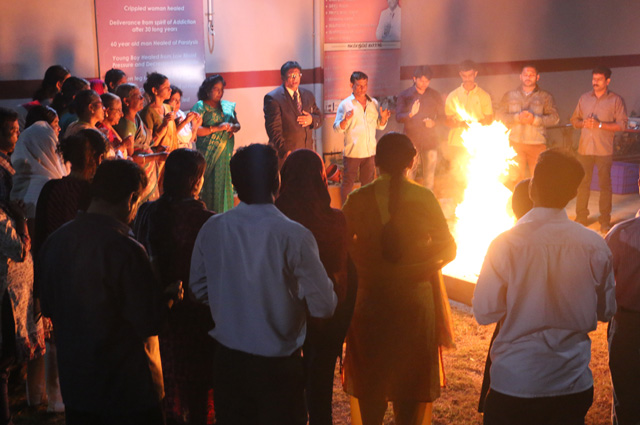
(399, 241)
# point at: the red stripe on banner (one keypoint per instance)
(24, 89)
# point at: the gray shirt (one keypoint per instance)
(608, 108)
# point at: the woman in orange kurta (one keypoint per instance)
(399, 241)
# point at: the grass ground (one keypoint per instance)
(464, 367)
(459, 400)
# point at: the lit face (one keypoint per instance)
(529, 77)
(9, 136)
(163, 92)
(114, 112)
(217, 91)
(96, 109)
(135, 100)
(292, 79)
(174, 101)
(421, 83)
(600, 82)
(360, 87)
(469, 77)
(55, 124)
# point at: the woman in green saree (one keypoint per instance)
(215, 141)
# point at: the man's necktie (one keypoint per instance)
(296, 99)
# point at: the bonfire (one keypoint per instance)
(485, 211)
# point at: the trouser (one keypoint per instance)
(584, 190)
(624, 362)
(502, 409)
(405, 412)
(150, 416)
(426, 162)
(258, 390)
(320, 364)
(527, 155)
(367, 167)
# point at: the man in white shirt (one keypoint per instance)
(358, 118)
(260, 273)
(548, 281)
(389, 24)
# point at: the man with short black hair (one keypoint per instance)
(420, 108)
(358, 118)
(290, 113)
(527, 111)
(467, 103)
(259, 287)
(97, 286)
(548, 281)
(599, 113)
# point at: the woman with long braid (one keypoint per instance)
(399, 241)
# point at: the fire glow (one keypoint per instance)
(485, 211)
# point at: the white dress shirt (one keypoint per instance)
(549, 280)
(360, 132)
(259, 272)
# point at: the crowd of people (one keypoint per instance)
(153, 299)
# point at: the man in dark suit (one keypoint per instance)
(290, 113)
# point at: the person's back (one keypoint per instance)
(85, 268)
(259, 272)
(547, 281)
(98, 288)
(550, 304)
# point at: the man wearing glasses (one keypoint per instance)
(290, 113)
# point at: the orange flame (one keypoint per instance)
(485, 211)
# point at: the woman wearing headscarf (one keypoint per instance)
(399, 241)
(304, 198)
(36, 159)
(168, 228)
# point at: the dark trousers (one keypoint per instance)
(257, 390)
(584, 190)
(151, 416)
(367, 167)
(624, 362)
(502, 409)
